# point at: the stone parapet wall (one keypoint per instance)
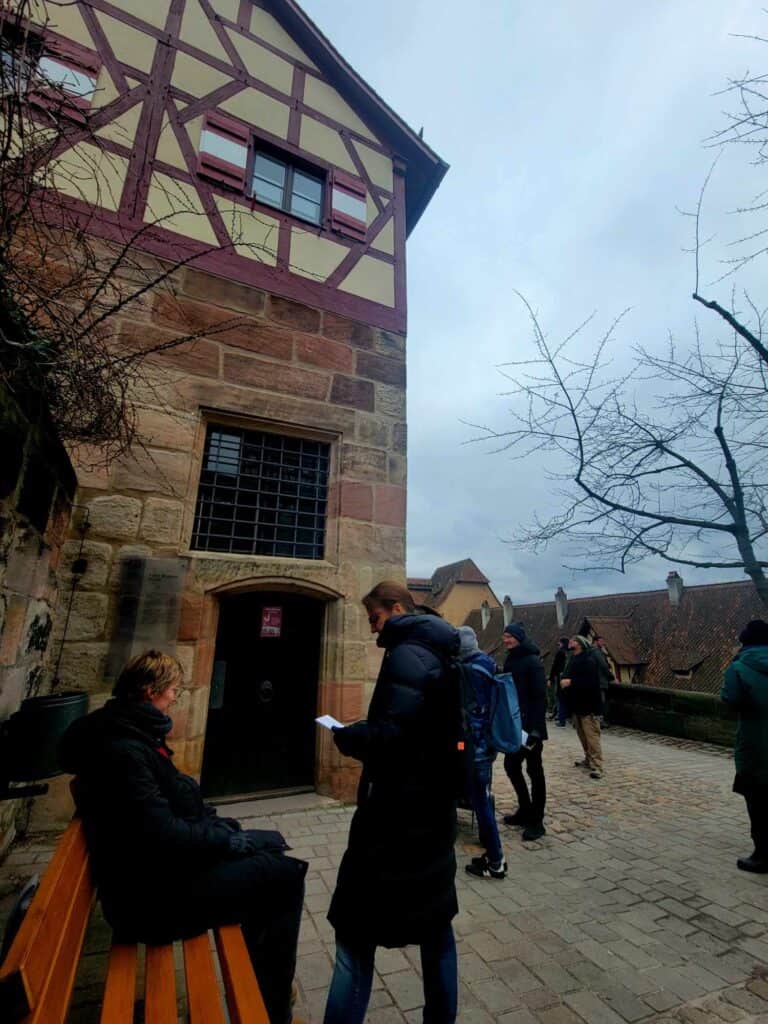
(37, 486)
(280, 366)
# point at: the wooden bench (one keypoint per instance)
(38, 975)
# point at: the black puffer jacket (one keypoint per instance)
(583, 695)
(396, 880)
(527, 668)
(148, 831)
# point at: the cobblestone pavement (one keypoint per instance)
(631, 909)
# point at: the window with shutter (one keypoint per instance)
(224, 151)
(71, 68)
(348, 206)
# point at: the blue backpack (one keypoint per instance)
(505, 725)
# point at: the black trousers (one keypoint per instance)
(264, 893)
(757, 808)
(531, 804)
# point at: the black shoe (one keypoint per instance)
(533, 832)
(595, 774)
(517, 820)
(757, 865)
(581, 764)
(481, 867)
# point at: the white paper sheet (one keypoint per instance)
(525, 736)
(329, 722)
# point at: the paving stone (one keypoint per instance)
(591, 1008)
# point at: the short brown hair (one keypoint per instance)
(150, 673)
(387, 594)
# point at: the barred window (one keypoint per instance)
(262, 494)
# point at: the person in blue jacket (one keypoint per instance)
(482, 669)
(745, 687)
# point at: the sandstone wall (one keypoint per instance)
(285, 367)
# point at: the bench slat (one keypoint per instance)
(54, 999)
(160, 986)
(246, 1005)
(120, 988)
(28, 962)
(202, 986)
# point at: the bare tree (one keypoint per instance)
(62, 286)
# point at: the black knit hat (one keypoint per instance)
(755, 634)
(516, 630)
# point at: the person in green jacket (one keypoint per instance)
(745, 687)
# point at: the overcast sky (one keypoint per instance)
(574, 133)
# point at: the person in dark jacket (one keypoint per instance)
(556, 671)
(166, 865)
(745, 687)
(582, 686)
(524, 662)
(481, 670)
(605, 675)
(396, 881)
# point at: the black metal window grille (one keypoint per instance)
(262, 494)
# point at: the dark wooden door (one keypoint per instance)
(261, 720)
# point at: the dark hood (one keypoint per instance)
(117, 719)
(755, 657)
(429, 630)
(523, 650)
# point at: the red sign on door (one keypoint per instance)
(271, 621)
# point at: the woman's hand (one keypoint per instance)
(565, 683)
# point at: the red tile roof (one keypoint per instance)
(443, 580)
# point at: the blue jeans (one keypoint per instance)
(353, 979)
(562, 710)
(481, 802)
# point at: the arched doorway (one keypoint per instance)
(261, 731)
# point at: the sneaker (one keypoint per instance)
(581, 764)
(753, 863)
(481, 867)
(595, 775)
(517, 820)
(533, 832)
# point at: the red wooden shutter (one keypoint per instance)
(348, 206)
(223, 156)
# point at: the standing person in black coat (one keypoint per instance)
(582, 686)
(558, 668)
(396, 883)
(524, 662)
(605, 675)
(166, 866)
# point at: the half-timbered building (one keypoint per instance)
(269, 489)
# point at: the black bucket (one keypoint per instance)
(31, 736)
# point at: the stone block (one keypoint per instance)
(13, 630)
(152, 470)
(357, 394)
(186, 316)
(330, 355)
(219, 291)
(191, 616)
(372, 431)
(390, 344)
(390, 502)
(290, 380)
(356, 661)
(356, 501)
(358, 540)
(341, 329)
(88, 462)
(199, 356)
(159, 429)
(99, 559)
(390, 401)
(397, 470)
(359, 463)
(161, 522)
(114, 515)
(382, 369)
(262, 339)
(392, 540)
(400, 438)
(186, 655)
(88, 616)
(294, 314)
(83, 666)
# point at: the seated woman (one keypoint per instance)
(166, 866)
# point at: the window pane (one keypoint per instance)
(268, 193)
(303, 208)
(306, 187)
(269, 169)
(223, 453)
(225, 149)
(77, 82)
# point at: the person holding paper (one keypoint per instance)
(396, 882)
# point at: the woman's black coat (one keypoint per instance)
(151, 838)
(527, 669)
(396, 882)
(583, 695)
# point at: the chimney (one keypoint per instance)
(509, 610)
(485, 614)
(561, 606)
(675, 588)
